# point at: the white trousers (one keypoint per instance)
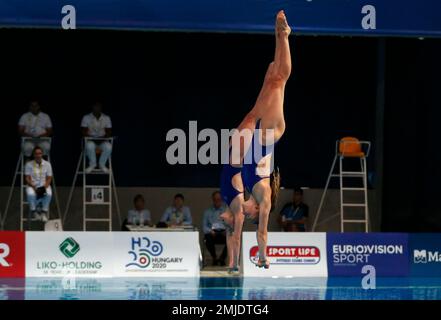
(33, 202)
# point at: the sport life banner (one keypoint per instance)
(156, 254)
(349, 252)
(289, 255)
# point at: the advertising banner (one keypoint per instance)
(156, 254)
(349, 252)
(60, 254)
(425, 254)
(12, 254)
(289, 254)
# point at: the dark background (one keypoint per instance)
(412, 152)
(153, 82)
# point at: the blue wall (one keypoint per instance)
(394, 17)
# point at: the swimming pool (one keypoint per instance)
(218, 288)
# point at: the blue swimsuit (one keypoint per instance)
(229, 192)
(249, 175)
(248, 171)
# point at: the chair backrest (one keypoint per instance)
(350, 146)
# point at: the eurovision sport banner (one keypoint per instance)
(290, 254)
(388, 253)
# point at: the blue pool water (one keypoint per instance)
(231, 288)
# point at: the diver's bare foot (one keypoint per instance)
(282, 27)
(263, 264)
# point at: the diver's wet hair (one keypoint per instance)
(275, 188)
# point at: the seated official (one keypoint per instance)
(97, 125)
(293, 216)
(139, 215)
(177, 214)
(214, 229)
(38, 175)
(35, 125)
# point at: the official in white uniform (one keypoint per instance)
(35, 125)
(139, 215)
(38, 174)
(97, 125)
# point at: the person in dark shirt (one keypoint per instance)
(293, 216)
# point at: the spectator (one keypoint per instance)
(293, 216)
(177, 214)
(35, 124)
(38, 174)
(139, 215)
(97, 125)
(214, 229)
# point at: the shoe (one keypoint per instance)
(104, 169)
(90, 169)
(43, 217)
(36, 216)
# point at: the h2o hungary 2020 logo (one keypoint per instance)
(69, 247)
(142, 252)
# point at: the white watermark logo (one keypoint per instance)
(369, 20)
(68, 283)
(69, 21)
(232, 146)
(368, 282)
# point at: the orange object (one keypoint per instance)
(350, 147)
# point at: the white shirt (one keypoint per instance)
(135, 216)
(173, 215)
(35, 125)
(38, 172)
(97, 127)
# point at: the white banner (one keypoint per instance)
(156, 254)
(60, 254)
(112, 254)
(290, 254)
